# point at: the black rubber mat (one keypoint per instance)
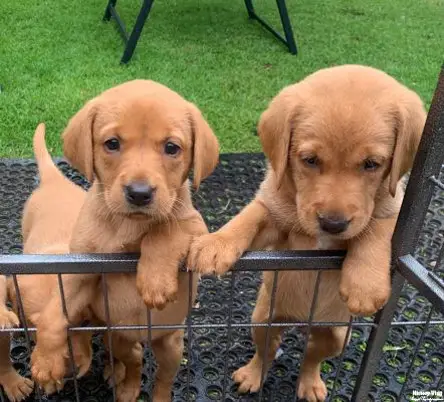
(232, 186)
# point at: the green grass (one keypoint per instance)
(56, 54)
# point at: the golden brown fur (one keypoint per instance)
(41, 212)
(143, 116)
(338, 143)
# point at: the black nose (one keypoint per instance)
(333, 224)
(139, 194)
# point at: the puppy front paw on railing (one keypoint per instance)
(364, 293)
(214, 253)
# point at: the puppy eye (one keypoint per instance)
(171, 148)
(112, 145)
(371, 165)
(312, 161)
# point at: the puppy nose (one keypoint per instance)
(333, 224)
(139, 194)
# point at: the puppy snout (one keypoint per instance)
(139, 194)
(333, 224)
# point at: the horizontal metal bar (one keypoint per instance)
(415, 273)
(201, 326)
(21, 264)
(120, 24)
(233, 325)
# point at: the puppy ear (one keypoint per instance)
(411, 119)
(274, 129)
(205, 147)
(78, 140)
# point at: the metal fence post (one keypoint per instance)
(418, 194)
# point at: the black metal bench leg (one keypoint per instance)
(137, 30)
(250, 8)
(289, 39)
(286, 24)
(107, 15)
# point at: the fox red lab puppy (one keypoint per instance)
(338, 143)
(137, 143)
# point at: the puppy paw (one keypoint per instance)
(312, 388)
(213, 253)
(127, 391)
(248, 377)
(48, 369)
(158, 290)
(83, 363)
(119, 373)
(17, 388)
(364, 297)
(8, 319)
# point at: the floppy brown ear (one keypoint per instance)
(205, 147)
(274, 129)
(411, 120)
(78, 140)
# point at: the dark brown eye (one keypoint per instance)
(171, 148)
(311, 161)
(112, 145)
(371, 165)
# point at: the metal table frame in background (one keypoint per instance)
(132, 38)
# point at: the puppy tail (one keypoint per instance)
(45, 165)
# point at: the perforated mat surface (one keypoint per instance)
(221, 196)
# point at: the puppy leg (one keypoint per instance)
(365, 275)
(116, 377)
(17, 388)
(82, 351)
(249, 376)
(168, 352)
(217, 252)
(48, 360)
(323, 343)
(162, 253)
(7, 318)
(130, 354)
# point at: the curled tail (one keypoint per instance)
(46, 167)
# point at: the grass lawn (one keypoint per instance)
(56, 54)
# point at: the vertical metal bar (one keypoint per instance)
(137, 30)
(22, 316)
(108, 332)
(286, 24)
(310, 321)
(229, 331)
(341, 358)
(250, 8)
(415, 354)
(107, 15)
(417, 197)
(267, 335)
(189, 330)
(68, 334)
(150, 350)
(441, 381)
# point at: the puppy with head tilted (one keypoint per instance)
(338, 143)
(136, 143)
